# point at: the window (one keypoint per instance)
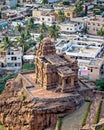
(13, 58)
(42, 18)
(98, 24)
(67, 28)
(67, 81)
(48, 19)
(15, 65)
(68, 14)
(91, 70)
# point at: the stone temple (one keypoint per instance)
(55, 71)
(50, 91)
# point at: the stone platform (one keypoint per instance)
(40, 94)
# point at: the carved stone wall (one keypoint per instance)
(46, 47)
(47, 62)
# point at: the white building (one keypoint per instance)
(71, 27)
(49, 1)
(48, 19)
(14, 58)
(83, 49)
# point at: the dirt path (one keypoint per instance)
(93, 110)
(102, 110)
(73, 121)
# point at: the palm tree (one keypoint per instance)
(19, 28)
(27, 34)
(6, 43)
(60, 16)
(43, 28)
(40, 38)
(22, 41)
(53, 32)
(79, 7)
(31, 24)
(101, 32)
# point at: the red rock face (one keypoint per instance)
(16, 114)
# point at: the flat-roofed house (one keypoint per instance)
(96, 69)
(14, 58)
(94, 24)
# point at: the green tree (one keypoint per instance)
(79, 7)
(101, 32)
(22, 41)
(6, 43)
(53, 32)
(17, 5)
(27, 34)
(40, 38)
(60, 16)
(43, 28)
(100, 84)
(19, 28)
(30, 25)
(45, 1)
(102, 128)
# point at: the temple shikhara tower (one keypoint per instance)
(55, 71)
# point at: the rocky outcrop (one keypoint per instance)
(19, 114)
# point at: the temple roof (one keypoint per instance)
(56, 60)
(65, 71)
(46, 47)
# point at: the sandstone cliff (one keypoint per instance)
(19, 114)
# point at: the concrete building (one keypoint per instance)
(3, 24)
(49, 1)
(12, 15)
(100, 2)
(96, 69)
(83, 49)
(71, 27)
(14, 58)
(37, 13)
(86, 49)
(2, 57)
(48, 18)
(94, 24)
(69, 12)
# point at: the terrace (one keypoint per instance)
(83, 51)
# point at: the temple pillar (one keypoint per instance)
(59, 80)
(72, 82)
(69, 81)
(63, 84)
